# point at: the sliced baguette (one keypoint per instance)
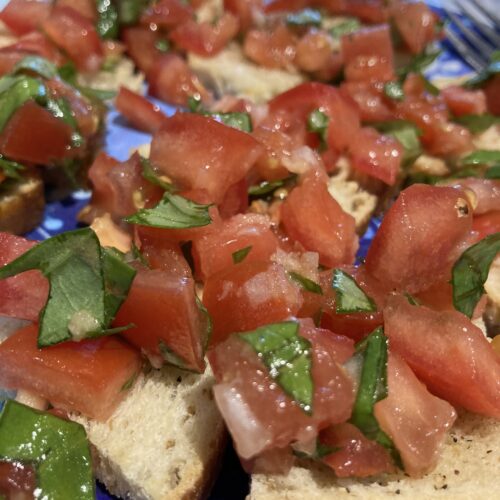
(468, 469)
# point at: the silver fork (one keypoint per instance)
(463, 35)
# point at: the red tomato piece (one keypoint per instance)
(167, 14)
(249, 295)
(44, 144)
(205, 39)
(235, 200)
(371, 11)
(313, 217)
(173, 323)
(23, 16)
(276, 420)
(17, 480)
(76, 35)
(313, 51)
(86, 8)
(417, 434)
(199, 153)
(8, 59)
(376, 155)
(243, 10)
(369, 100)
(486, 224)
(492, 91)
(141, 46)
(447, 352)
(464, 102)
(214, 252)
(171, 80)
(86, 376)
(137, 110)
(285, 5)
(487, 193)
(36, 43)
(420, 237)
(23, 295)
(357, 456)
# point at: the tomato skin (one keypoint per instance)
(464, 102)
(486, 224)
(17, 480)
(243, 10)
(48, 142)
(492, 91)
(167, 14)
(410, 253)
(141, 46)
(371, 11)
(199, 153)
(23, 16)
(312, 217)
(85, 376)
(141, 113)
(86, 8)
(313, 51)
(369, 101)
(447, 352)
(35, 43)
(76, 35)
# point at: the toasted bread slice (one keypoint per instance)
(468, 469)
(21, 204)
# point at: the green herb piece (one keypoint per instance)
(136, 254)
(163, 45)
(194, 104)
(68, 72)
(470, 273)
(97, 94)
(372, 387)
(107, 20)
(492, 172)
(173, 212)
(429, 86)
(490, 71)
(411, 299)
(57, 448)
(240, 255)
(287, 356)
(419, 62)
(37, 65)
(206, 324)
(344, 28)
(241, 121)
(150, 175)
(306, 283)
(129, 11)
(321, 451)
(171, 357)
(129, 383)
(317, 122)
(266, 187)
(350, 298)
(87, 285)
(306, 17)
(482, 157)
(61, 109)
(394, 90)
(10, 168)
(477, 123)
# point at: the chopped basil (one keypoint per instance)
(470, 272)
(107, 19)
(429, 86)
(129, 11)
(492, 172)
(306, 17)
(163, 45)
(419, 62)
(87, 285)
(344, 28)
(350, 298)
(287, 356)
(317, 122)
(173, 212)
(150, 175)
(61, 108)
(37, 65)
(97, 94)
(171, 357)
(411, 299)
(206, 324)
(306, 283)
(266, 187)
(490, 71)
(240, 255)
(57, 448)
(130, 382)
(477, 123)
(394, 90)
(194, 104)
(482, 157)
(10, 168)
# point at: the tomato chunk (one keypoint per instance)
(486, 224)
(86, 376)
(141, 46)
(464, 102)
(17, 480)
(23, 16)
(36, 43)
(447, 352)
(199, 153)
(167, 14)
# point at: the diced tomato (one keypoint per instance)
(487, 193)
(199, 153)
(371, 11)
(76, 35)
(167, 14)
(86, 8)
(36, 43)
(243, 10)
(355, 455)
(447, 352)
(137, 110)
(17, 480)
(271, 49)
(486, 224)
(377, 155)
(244, 387)
(369, 100)
(23, 295)
(419, 237)
(173, 323)
(23, 16)
(205, 39)
(416, 24)
(235, 200)
(141, 46)
(8, 59)
(214, 252)
(368, 54)
(313, 217)
(285, 5)
(415, 420)
(464, 102)
(171, 80)
(332, 70)
(247, 296)
(87, 376)
(313, 51)
(44, 144)
(492, 91)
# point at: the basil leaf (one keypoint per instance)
(317, 122)
(350, 298)
(470, 272)
(130, 382)
(394, 90)
(411, 299)
(306, 283)
(87, 285)
(344, 28)
(37, 65)
(206, 324)
(129, 11)
(163, 45)
(372, 387)
(68, 72)
(492, 172)
(482, 157)
(287, 356)
(266, 187)
(61, 109)
(306, 17)
(173, 212)
(150, 175)
(171, 357)
(240, 121)
(97, 94)
(107, 19)
(194, 104)
(57, 448)
(477, 123)
(240, 255)
(10, 168)
(490, 71)
(419, 62)
(429, 86)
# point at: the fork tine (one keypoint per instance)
(473, 58)
(487, 12)
(478, 18)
